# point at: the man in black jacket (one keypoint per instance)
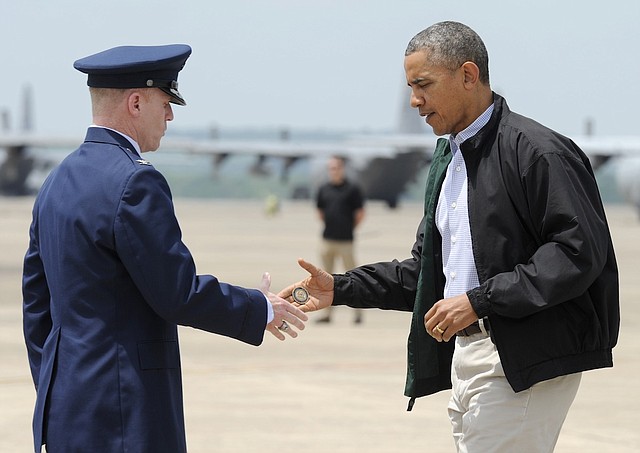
(513, 260)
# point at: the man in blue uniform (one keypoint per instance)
(107, 278)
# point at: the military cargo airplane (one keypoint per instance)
(383, 165)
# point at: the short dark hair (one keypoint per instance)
(451, 44)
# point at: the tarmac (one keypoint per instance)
(338, 387)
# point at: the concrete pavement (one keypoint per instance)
(338, 387)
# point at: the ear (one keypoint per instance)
(471, 74)
(134, 100)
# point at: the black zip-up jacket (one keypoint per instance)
(542, 249)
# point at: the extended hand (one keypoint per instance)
(285, 315)
(319, 284)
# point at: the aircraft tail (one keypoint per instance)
(27, 124)
(27, 109)
(408, 119)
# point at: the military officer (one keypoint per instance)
(107, 278)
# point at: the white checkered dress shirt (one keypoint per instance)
(452, 217)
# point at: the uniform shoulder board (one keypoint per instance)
(143, 162)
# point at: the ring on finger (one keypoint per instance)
(284, 326)
(438, 329)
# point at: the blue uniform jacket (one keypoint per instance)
(106, 281)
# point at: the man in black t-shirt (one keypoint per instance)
(341, 207)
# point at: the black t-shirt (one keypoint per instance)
(339, 204)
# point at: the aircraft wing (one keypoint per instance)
(32, 140)
(609, 145)
(384, 163)
(379, 146)
(369, 146)
(600, 149)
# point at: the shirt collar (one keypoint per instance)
(132, 141)
(471, 130)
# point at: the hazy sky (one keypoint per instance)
(327, 63)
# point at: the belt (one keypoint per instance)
(475, 328)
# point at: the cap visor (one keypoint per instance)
(176, 97)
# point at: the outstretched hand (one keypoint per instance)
(319, 284)
(285, 315)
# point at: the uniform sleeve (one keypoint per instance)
(149, 243)
(565, 208)
(36, 318)
(387, 285)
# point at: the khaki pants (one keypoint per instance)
(487, 416)
(330, 252)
